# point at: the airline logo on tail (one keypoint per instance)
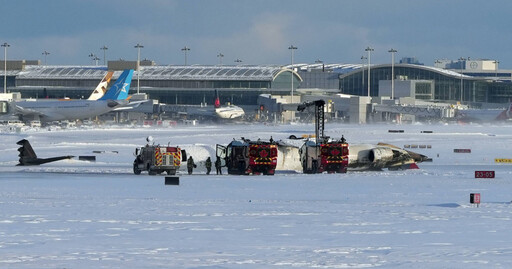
(101, 89)
(217, 100)
(506, 114)
(120, 89)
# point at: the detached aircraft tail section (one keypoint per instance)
(28, 156)
(120, 89)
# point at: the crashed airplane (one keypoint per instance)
(362, 157)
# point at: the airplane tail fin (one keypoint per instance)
(506, 114)
(217, 100)
(26, 151)
(101, 89)
(120, 89)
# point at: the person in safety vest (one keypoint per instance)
(208, 165)
(218, 166)
(190, 165)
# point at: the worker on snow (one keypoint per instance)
(218, 166)
(208, 165)
(190, 165)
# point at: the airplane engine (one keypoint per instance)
(380, 156)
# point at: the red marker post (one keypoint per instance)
(474, 198)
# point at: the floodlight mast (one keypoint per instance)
(319, 117)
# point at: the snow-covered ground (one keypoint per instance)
(75, 214)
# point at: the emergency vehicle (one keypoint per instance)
(323, 154)
(330, 156)
(157, 159)
(244, 157)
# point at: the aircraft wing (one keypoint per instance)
(27, 111)
(130, 105)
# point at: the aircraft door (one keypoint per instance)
(221, 153)
(183, 155)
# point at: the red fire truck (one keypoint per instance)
(329, 156)
(244, 157)
(323, 154)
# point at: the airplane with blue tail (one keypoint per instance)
(57, 110)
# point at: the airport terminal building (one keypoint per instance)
(191, 85)
(479, 85)
(474, 82)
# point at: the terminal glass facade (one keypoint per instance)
(447, 85)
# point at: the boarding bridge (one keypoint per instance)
(415, 110)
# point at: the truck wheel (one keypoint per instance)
(136, 169)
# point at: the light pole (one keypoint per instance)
(220, 56)
(369, 50)
(95, 59)
(185, 50)
(5, 45)
(238, 61)
(138, 47)
(292, 48)
(461, 61)
(362, 72)
(45, 53)
(392, 72)
(104, 48)
(92, 56)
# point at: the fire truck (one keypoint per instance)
(244, 157)
(157, 159)
(330, 156)
(323, 154)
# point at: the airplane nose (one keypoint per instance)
(420, 158)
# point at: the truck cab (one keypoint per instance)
(244, 157)
(157, 159)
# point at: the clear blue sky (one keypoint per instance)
(257, 31)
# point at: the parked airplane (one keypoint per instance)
(216, 111)
(484, 115)
(55, 110)
(227, 112)
(29, 157)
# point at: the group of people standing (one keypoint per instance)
(191, 165)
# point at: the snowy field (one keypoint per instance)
(76, 214)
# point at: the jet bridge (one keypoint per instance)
(415, 110)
